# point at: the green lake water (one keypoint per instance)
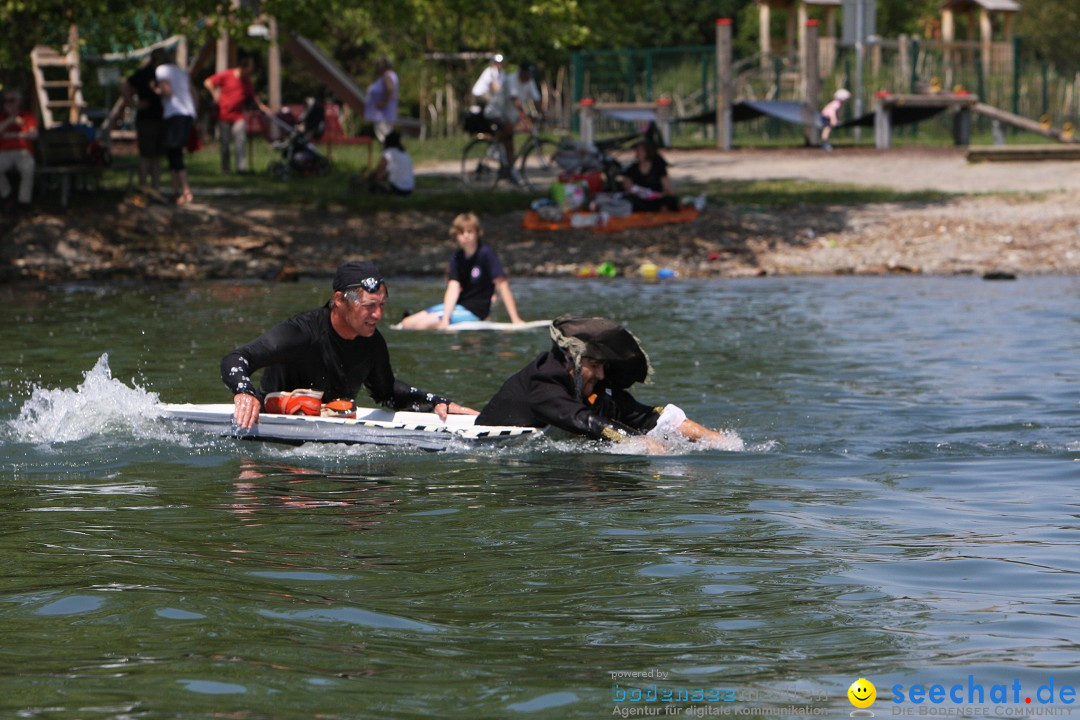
(906, 511)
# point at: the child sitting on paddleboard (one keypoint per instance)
(474, 276)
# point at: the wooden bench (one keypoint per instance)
(63, 155)
(335, 135)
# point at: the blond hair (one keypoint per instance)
(463, 222)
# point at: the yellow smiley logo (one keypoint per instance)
(862, 693)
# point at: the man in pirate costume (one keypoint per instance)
(580, 386)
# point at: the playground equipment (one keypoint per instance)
(58, 83)
(640, 113)
(893, 109)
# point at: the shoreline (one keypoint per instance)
(1013, 232)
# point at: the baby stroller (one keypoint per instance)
(299, 156)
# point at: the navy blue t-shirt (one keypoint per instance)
(477, 277)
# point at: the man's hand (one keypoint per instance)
(246, 410)
(444, 409)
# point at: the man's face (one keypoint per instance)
(363, 310)
(11, 103)
(592, 373)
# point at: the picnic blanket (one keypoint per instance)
(532, 221)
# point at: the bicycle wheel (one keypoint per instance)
(535, 163)
(480, 163)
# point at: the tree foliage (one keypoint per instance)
(543, 31)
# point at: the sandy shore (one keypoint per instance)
(1029, 225)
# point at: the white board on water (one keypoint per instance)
(490, 325)
(371, 426)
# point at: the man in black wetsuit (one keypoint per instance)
(336, 349)
(579, 386)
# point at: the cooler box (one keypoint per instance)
(594, 181)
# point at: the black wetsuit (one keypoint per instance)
(306, 352)
(543, 393)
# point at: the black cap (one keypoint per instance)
(358, 274)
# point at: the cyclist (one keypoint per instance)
(489, 82)
(507, 107)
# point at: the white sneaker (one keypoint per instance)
(515, 177)
(699, 202)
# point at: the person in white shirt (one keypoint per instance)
(489, 82)
(173, 84)
(507, 108)
(394, 173)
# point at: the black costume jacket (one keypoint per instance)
(306, 352)
(544, 393)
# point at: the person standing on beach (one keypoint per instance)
(138, 92)
(173, 84)
(234, 93)
(830, 116)
(382, 99)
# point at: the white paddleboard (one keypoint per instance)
(371, 426)
(490, 325)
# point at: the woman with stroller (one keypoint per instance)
(475, 275)
(646, 182)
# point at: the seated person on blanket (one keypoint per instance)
(394, 173)
(580, 386)
(475, 275)
(646, 182)
(335, 349)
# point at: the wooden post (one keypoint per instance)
(663, 120)
(801, 25)
(724, 91)
(812, 82)
(273, 68)
(182, 52)
(948, 37)
(221, 60)
(903, 64)
(882, 123)
(585, 115)
(791, 33)
(764, 25)
(986, 32)
(962, 126)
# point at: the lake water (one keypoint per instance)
(906, 511)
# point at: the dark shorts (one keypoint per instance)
(177, 132)
(150, 135)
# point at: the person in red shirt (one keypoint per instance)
(233, 92)
(18, 130)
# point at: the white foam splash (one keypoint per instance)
(99, 405)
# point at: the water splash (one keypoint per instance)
(98, 406)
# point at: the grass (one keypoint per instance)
(342, 187)
(436, 193)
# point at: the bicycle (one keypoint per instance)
(483, 162)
